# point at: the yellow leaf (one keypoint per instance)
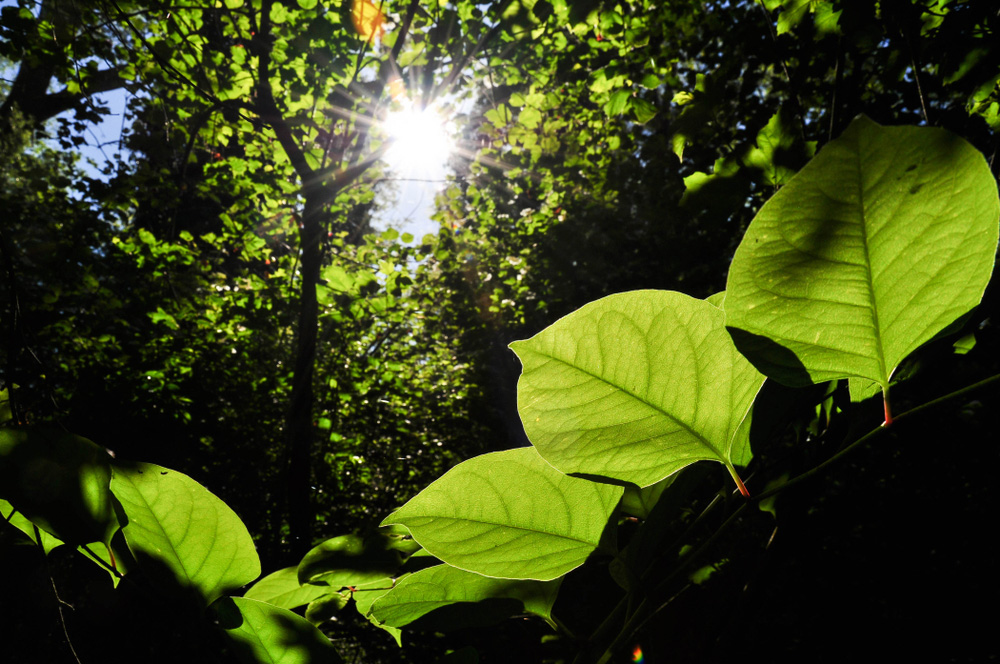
(368, 19)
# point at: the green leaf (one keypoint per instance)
(529, 117)
(775, 153)
(466, 655)
(59, 482)
(619, 103)
(879, 243)
(644, 111)
(509, 515)
(640, 502)
(37, 535)
(365, 596)
(791, 14)
(6, 414)
(964, 345)
(324, 608)
(441, 586)
(181, 533)
(636, 386)
(282, 588)
(350, 560)
(266, 634)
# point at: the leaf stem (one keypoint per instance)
(113, 568)
(877, 431)
(888, 408)
(739, 483)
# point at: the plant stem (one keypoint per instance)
(655, 600)
(888, 408)
(739, 482)
(111, 568)
(877, 431)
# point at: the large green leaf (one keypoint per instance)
(636, 386)
(509, 515)
(180, 533)
(265, 634)
(878, 244)
(59, 482)
(282, 588)
(442, 586)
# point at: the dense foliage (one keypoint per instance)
(217, 301)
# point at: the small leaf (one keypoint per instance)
(441, 586)
(466, 655)
(529, 117)
(509, 515)
(364, 596)
(181, 533)
(644, 111)
(883, 240)
(619, 103)
(965, 344)
(265, 634)
(324, 608)
(636, 386)
(640, 502)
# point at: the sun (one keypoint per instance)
(421, 142)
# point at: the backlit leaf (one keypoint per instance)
(442, 586)
(181, 533)
(266, 634)
(351, 560)
(509, 515)
(636, 386)
(879, 243)
(282, 588)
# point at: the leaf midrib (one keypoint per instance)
(442, 517)
(868, 270)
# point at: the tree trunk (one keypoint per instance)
(299, 423)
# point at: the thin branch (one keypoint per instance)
(875, 433)
(59, 602)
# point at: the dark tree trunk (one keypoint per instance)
(299, 425)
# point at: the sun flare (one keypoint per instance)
(421, 144)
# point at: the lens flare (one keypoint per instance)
(421, 142)
(637, 655)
